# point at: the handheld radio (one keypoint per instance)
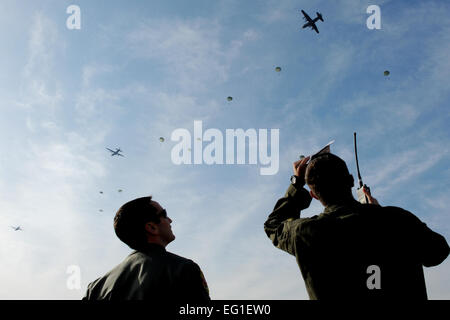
(362, 198)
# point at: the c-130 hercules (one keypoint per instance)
(312, 23)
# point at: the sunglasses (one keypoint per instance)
(163, 214)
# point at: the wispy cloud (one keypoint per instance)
(91, 71)
(402, 167)
(194, 52)
(40, 94)
(43, 40)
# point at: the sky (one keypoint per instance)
(136, 71)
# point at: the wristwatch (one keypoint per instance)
(295, 180)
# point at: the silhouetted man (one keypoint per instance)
(351, 250)
(150, 272)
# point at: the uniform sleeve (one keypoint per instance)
(92, 291)
(280, 226)
(430, 246)
(433, 247)
(193, 283)
(88, 294)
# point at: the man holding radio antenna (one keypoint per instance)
(352, 250)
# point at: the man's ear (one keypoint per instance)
(152, 228)
(312, 194)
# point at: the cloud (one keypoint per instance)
(91, 71)
(43, 40)
(436, 206)
(251, 35)
(47, 177)
(47, 202)
(39, 92)
(94, 103)
(194, 52)
(404, 165)
(190, 49)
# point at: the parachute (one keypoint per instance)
(386, 73)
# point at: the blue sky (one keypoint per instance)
(138, 70)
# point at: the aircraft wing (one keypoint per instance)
(110, 150)
(120, 155)
(315, 27)
(306, 16)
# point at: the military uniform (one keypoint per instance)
(335, 249)
(154, 274)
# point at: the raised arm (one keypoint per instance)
(282, 223)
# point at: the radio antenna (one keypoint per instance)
(357, 165)
(361, 195)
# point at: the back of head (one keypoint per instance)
(130, 220)
(328, 177)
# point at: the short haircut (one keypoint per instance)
(130, 220)
(328, 177)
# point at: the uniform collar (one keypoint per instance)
(336, 207)
(152, 248)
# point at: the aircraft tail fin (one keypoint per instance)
(319, 16)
